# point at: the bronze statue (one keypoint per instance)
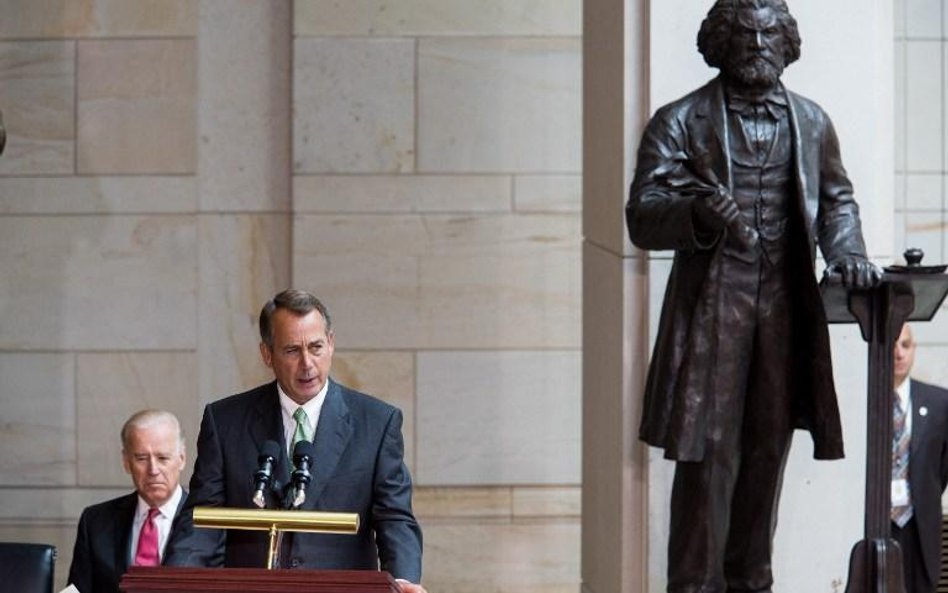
(743, 179)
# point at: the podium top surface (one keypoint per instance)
(929, 291)
(169, 579)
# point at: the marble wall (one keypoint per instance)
(436, 199)
(172, 163)
(921, 156)
(100, 243)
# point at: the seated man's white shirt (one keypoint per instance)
(163, 522)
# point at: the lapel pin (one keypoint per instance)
(923, 411)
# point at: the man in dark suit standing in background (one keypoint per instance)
(132, 530)
(358, 465)
(920, 469)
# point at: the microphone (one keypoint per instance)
(269, 453)
(303, 454)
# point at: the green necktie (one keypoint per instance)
(302, 426)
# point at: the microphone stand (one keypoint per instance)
(276, 543)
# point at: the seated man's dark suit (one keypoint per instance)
(928, 476)
(103, 539)
(359, 468)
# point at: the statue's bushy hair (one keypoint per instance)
(716, 29)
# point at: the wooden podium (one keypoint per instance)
(166, 579)
(906, 293)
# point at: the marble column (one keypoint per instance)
(615, 299)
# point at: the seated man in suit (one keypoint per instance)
(132, 530)
(358, 465)
(919, 469)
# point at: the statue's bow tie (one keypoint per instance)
(774, 102)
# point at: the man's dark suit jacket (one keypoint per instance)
(103, 541)
(359, 468)
(928, 468)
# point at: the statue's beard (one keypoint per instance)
(756, 72)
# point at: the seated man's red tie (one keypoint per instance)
(147, 553)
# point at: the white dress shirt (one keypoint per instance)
(904, 391)
(313, 407)
(162, 521)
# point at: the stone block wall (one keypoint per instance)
(172, 163)
(921, 158)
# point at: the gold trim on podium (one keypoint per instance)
(276, 522)
(264, 519)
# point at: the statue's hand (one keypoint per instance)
(856, 272)
(714, 212)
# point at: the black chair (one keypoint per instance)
(27, 568)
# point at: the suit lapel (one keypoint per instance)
(332, 437)
(808, 201)
(122, 531)
(181, 501)
(919, 421)
(712, 150)
(269, 427)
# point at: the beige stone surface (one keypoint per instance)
(37, 98)
(922, 191)
(401, 193)
(926, 231)
(562, 501)
(529, 557)
(243, 262)
(110, 387)
(244, 59)
(389, 376)
(615, 474)
(930, 363)
(102, 195)
(38, 419)
(29, 19)
(353, 105)
(617, 56)
(900, 100)
(498, 417)
(439, 281)
(548, 193)
(499, 105)
(924, 116)
(470, 502)
(136, 106)
(437, 17)
(98, 282)
(43, 504)
(244, 231)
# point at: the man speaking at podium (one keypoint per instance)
(357, 464)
